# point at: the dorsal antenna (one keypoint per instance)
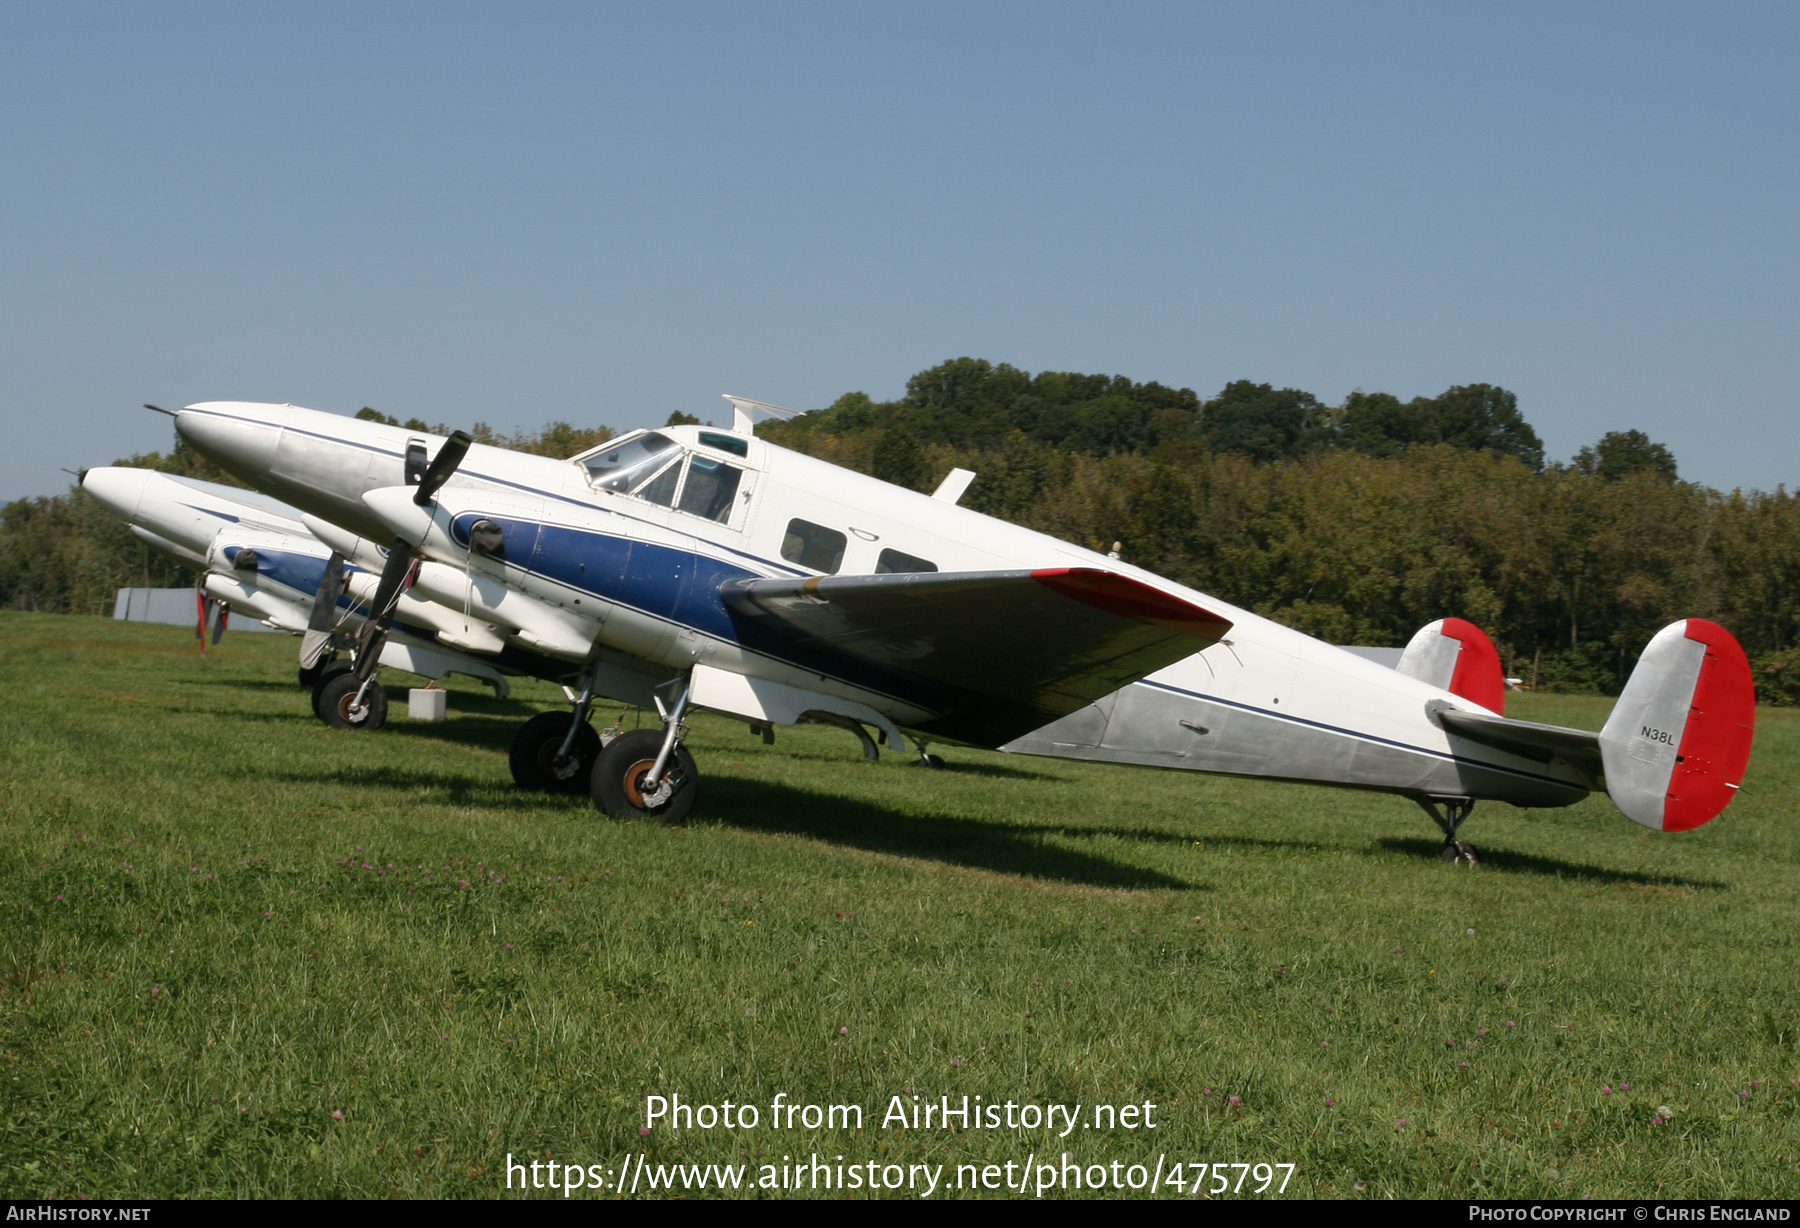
(744, 410)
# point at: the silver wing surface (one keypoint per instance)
(991, 654)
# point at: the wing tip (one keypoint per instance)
(1129, 598)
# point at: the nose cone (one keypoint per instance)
(118, 488)
(235, 442)
(171, 517)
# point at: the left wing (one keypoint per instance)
(991, 654)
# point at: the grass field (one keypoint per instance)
(245, 955)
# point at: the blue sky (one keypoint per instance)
(607, 212)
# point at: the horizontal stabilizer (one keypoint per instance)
(1678, 740)
(1578, 748)
(992, 655)
(1453, 654)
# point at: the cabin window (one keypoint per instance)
(625, 466)
(725, 443)
(813, 546)
(711, 486)
(660, 489)
(892, 561)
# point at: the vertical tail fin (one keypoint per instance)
(1455, 655)
(1678, 740)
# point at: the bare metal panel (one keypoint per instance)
(1155, 727)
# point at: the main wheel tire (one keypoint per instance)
(309, 678)
(325, 673)
(534, 747)
(619, 772)
(335, 696)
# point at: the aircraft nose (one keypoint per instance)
(118, 488)
(234, 443)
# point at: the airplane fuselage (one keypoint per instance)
(593, 558)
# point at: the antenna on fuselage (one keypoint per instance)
(743, 413)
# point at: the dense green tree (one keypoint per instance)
(1380, 424)
(1474, 417)
(1624, 452)
(1481, 417)
(971, 403)
(1262, 422)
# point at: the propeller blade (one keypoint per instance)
(442, 466)
(219, 627)
(394, 577)
(200, 619)
(324, 612)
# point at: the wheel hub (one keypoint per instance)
(560, 767)
(634, 782)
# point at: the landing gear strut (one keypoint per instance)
(646, 774)
(1449, 813)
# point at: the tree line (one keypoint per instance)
(1357, 523)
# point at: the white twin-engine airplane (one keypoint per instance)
(695, 568)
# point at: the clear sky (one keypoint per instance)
(517, 213)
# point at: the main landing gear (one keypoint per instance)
(555, 751)
(1449, 813)
(339, 698)
(646, 773)
(346, 694)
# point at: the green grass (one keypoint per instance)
(196, 969)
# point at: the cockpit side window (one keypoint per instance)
(621, 468)
(711, 486)
(660, 489)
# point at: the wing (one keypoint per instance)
(1527, 739)
(990, 654)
